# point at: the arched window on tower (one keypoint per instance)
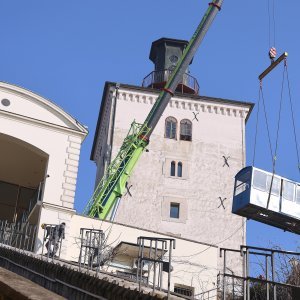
(171, 128)
(179, 169)
(172, 171)
(185, 130)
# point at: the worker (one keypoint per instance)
(54, 234)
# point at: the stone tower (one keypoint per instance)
(183, 185)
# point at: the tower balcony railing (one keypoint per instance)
(157, 79)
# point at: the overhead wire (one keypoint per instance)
(285, 75)
(271, 23)
(274, 25)
(261, 93)
(279, 114)
(293, 117)
(269, 20)
(272, 38)
(277, 139)
(256, 129)
(277, 136)
(220, 242)
(267, 122)
(261, 96)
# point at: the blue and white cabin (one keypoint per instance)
(251, 195)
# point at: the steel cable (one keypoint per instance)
(271, 27)
(274, 25)
(267, 123)
(293, 117)
(279, 119)
(256, 129)
(269, 23)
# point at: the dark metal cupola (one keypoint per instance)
(165, 54)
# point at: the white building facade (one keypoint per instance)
(39, 146)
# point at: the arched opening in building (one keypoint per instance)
(22, 175)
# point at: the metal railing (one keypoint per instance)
(211, 294)
(157, 77)
(91, 247)
(278, 278)
(19, 235)
(151, 255)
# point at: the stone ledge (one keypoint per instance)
(67, 280)
(13, 286)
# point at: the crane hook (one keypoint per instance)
(272, 54)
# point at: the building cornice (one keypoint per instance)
(14, 89)
(148, 95)
(105, 99)
(155, 93)
(201, 104)
(51, 126)
(58, 208)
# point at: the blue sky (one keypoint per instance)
(66, 50)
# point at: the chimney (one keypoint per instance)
(165, 54)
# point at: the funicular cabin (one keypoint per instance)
(274, 203)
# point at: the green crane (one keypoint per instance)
(113, 183)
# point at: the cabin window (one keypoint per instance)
(185, 130)
(179, 169)
(174, 210)
(298, 194)
(260, 180)
(288, 192)
(242, 183)
(171, 128)
(275, 185)
(172, 171)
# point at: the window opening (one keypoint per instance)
(260, 180)
(171, 128)
(172, 168)
(298, 194)
(185, 130)
(174, 210)
(242, 183)
(179, 169)
(288, 190)
(184, 290)
(275, 185)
